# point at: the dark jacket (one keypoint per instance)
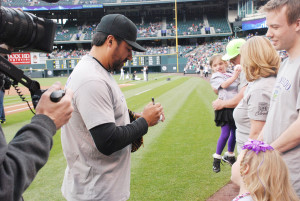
(5, 82)
(24, 156)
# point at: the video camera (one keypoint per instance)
(23, 30)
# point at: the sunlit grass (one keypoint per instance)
(176, 160)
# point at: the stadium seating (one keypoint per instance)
(68, 31)
(153, 27)
(149, 29)
(15, 3)
(201, 54)
(182, 50)
(61, 2)
(219, 23)
(131, 1)
(187, 27)
(89, 30)
(81, 2)
(64, 54)
(125, 1)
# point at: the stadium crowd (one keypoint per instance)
(151, 29)
(67, 54)
(200, 56)
(148, 30)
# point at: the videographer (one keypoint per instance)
(5, 84)
(28, 151)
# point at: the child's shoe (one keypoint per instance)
(229, 158)
(216, 163)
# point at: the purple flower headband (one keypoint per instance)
(257, 146)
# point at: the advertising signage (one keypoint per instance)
(254, 24)
(60, 7)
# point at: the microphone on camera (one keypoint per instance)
(51, 1)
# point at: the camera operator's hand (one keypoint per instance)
(153, 113)
(59, 112)
(6, 47)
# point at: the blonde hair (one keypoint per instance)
(215, 57)
(267, 178)
(292, 11)
(259, 58)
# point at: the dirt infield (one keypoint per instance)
(125, 85)
(226, 193)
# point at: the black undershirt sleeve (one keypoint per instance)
(110, 138)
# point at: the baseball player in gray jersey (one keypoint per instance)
(97, 140)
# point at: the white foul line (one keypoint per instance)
(11, 111)
(142, 92)
(15, 105)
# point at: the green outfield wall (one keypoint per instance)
(63, 67)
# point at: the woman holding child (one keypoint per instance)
(260, 62)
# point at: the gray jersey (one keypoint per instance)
(91, 175)
(254, 106)
(284, 110)
(216, 81)
(243, 80)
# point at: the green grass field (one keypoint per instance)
(175, 162)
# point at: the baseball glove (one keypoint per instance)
(136, 144)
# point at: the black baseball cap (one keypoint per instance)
(121, 26)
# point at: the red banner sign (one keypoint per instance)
(19, 58)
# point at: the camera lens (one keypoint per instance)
(25, 31)
(17, 24)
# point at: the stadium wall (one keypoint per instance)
(164, 64)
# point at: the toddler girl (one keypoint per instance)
(226, 86)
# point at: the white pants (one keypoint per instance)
(122, 76)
